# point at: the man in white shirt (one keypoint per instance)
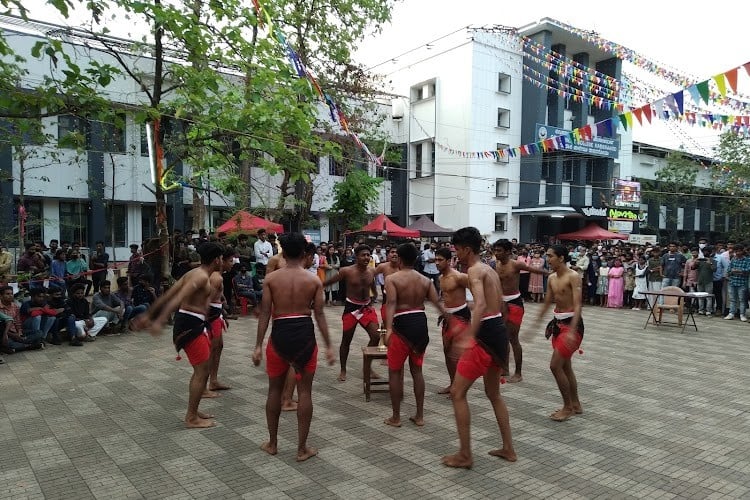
(430, 268)
(263, 252)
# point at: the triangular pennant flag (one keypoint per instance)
(637, 112)
(624, 121)
(679, 99)
(731, 77)
(601, 128)
(695, 94)
(629, 118)
(647, 112)
(703, 90)
(747, 67)
(721, 83)
(610, 127)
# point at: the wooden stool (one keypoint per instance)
(368, 354)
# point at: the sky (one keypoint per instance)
(694, 38)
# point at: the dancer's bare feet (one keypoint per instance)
(418, 421)
(515, 378)
(289, 405)
(342, 377)
(393, 422)
(445, 390)
(458, 461)
(218, 386)
(562, 414)
(577, 409)
(308, 452)
(269, 448)
(205, 415)
(210, 394)
(199, 423)
(508, 455)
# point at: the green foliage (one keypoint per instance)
(354, 197)
(731, 178)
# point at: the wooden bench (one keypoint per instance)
(368, 354)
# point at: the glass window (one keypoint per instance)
(71, 131)
(144, 140)
(503, 118)
(501, 188)
(116, 222)
(74, 222)
(506, 158)
(336, 167)
(418, 160)
(503, 83)
(500, 219)
(567, 171)
(113, 135)
(148, 222)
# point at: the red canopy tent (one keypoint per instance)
(246, 222)
(592, 232)
(382, 223)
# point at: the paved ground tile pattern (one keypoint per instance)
(666, 415)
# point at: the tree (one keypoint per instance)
(731, 180)
(354, 198)
(673, 182)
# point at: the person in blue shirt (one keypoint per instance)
(719, 273)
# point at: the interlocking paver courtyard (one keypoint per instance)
(666, 415)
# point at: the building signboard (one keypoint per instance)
(607, 147)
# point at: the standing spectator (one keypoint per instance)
(536, 281)
(592, 277)
(720, 272)
(58, 269)
(274, 245)
(616, 285)
(322, 264)
(263, 251)
(76, 269)
(654, 273)
(244, 251)
(99, 262)
(134, 264)
(602, 286)
(704, 281)
(334, 264)
(690, 273)
(430, 268)
(738, 272)
(181, 260)
(131, 311)
(108, 306)
(641, 283)
(81, 325)
(672, 265)
(523, 281)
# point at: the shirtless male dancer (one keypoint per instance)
(287, 401)
(406, 330)
(386, 269)
(360, 282)
(456, 338)
(191, 294)
(217, 323)
(289, 291)
(566, 329)
(509, 271)
(487, 354)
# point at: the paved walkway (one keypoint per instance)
(666, 415)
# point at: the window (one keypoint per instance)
(548, 168)
(501, 188)
(74, 222)
(503, 118)
(116, 223)
(219, 216)
(503, 159)
(148, 222)
(567, 171)
(432, 159)
(589, 172)
(71, 131)
(113, 135)
(418, 160)
(503, 83)
(423, 91)
(336, 167)
(500, 221)
(34, 224)
(144, 140)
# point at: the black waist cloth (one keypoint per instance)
(553, 327)
(518, 301)
(214, 313)
(186, 329)
(351, 307)
(494, 339)
(293, 340)
(464, 313)
(412, 328)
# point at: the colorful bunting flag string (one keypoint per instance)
(337, 116)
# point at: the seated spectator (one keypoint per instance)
(38, 319)
(31, 261)
(76, 269)
(56, 301)
(143, 293)
(17, 341)
(248, 286)
(131, 311)
(106, 305)
(81, 325)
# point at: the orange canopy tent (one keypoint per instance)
(246, 222)
(382, 223)
(592, 232)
